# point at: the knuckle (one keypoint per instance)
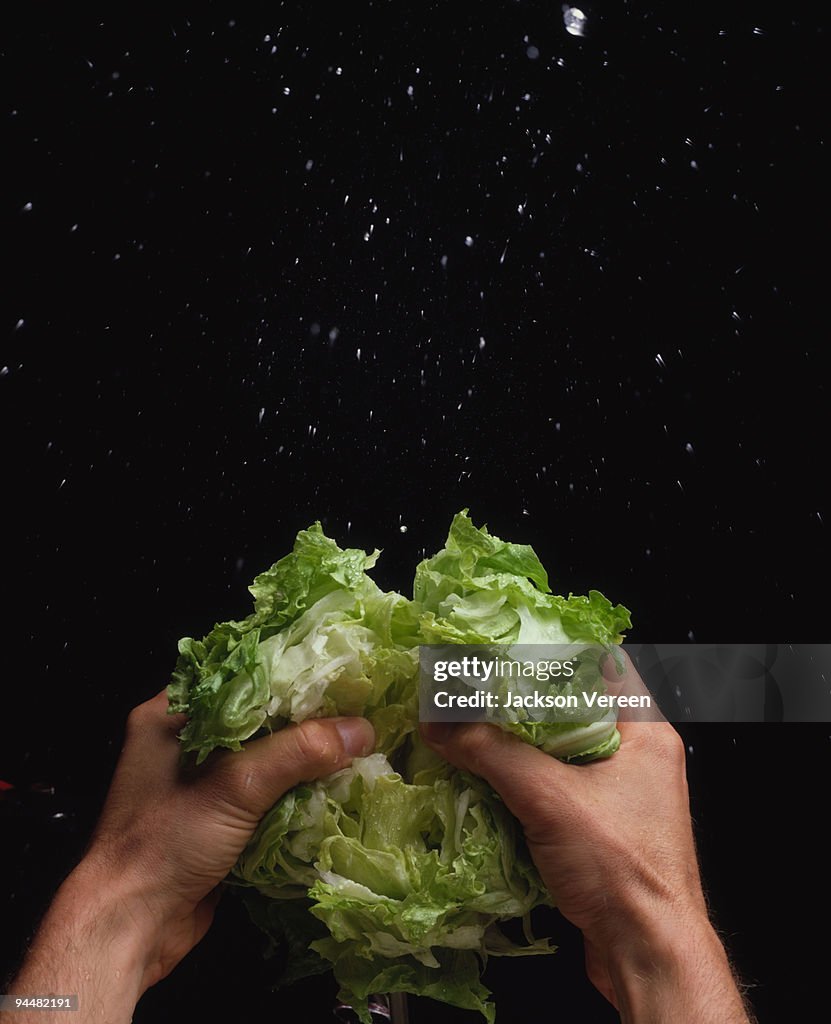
(233, 784)
(675, 745)
(137, 718)
(145, 714)
(541, 809)
(474, 744)
(670, 746)
(314, 744)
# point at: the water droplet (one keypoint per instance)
(574, 20)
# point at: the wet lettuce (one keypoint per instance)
(394, 872)
(482, 590)
(410, 879)
(323, 640)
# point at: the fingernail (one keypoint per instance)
(357, 735)
(437, 732)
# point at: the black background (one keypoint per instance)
(201, 354)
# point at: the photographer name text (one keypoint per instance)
(482, 699)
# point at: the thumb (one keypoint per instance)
(521, 774)
(268, 767)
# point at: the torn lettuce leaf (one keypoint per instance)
(323, 640)
(482, 590)
(395, 879)
(408, 878)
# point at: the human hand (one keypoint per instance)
(614, 845)
(145, 891)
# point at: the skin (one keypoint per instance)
(145, 892)
(613, 843)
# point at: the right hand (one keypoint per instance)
(612, 841)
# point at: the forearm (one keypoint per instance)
(676, 971)
(90, 944)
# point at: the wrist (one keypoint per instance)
(94, 942)
(673, 966)
(158, 924)
(107, 915)
(113, 912)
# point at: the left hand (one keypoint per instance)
(145, 891)
(172, 832)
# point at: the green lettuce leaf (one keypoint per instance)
(482, 590)
(406, 877)
(397, 880)
(323, 640)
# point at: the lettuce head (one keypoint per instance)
(395, 872)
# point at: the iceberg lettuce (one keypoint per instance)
(396, 871)
(482, 590)
(407, 877)
(323, 639)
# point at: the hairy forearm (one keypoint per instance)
(676, 971)
(144, 895)
(89, 945)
